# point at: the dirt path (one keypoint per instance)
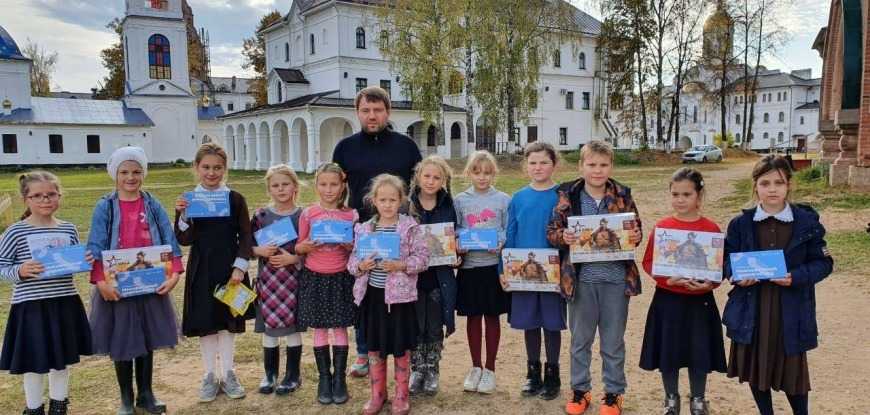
(839, 367)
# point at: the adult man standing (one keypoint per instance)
(373, 151)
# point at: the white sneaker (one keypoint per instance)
(487, 382)
(472, 379)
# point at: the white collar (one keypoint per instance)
(784, 215)
(222, 188)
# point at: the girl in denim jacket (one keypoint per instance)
(386, 291)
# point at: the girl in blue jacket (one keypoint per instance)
(772, 324)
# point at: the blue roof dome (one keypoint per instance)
(8, 48)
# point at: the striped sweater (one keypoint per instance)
(15, 247)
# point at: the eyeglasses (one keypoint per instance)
(44, 197)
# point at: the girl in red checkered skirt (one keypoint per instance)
(277, 281)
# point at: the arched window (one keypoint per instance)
(455, 131)
(431, 136)
(781, 116)
(360, 38)
(779, 137)
(737, 118)
(557, 58)
(280, 93)
(311, 43)
(765, 136)
(582, 60)
(286, 52)
(766, 117)
(159, 62)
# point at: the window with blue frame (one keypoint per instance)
(159, 61)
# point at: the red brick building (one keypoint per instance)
(844, 116)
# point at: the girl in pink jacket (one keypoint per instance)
(386, 289)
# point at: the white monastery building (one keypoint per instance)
(317, 57)
(324, 51)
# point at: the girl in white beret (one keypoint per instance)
(130, 329)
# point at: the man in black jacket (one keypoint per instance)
(374, 150)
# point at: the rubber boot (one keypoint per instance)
(339, 374)
(433, 361)
(324, 385)
(146, 400)
(401, 405)
(418, 370)
(378, 378)
(292, 379)
(124, 373)
(271, 355)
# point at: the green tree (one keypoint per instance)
(422, 40)
(625, 34)
(513, 40)
(112, 86)
(254, 52)
(41, 68)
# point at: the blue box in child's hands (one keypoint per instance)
(758, 265)
(478, 239)
(207, 204)
(276, 234)
(379, 245)
(332, 231)
(62, 260)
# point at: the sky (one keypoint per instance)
(76, 30)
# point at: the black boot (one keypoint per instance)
(37, 411)
(146, 400)
(124, 373)
(270, 367)
(339, 373)
(552, 383)
(292, 379)
(324, 385)
(533, 385)
(58, 407)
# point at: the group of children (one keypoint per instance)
(404, 307)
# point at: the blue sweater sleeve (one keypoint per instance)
(510, 239)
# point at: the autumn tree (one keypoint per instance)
(41, 68)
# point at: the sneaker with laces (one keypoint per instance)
(360, 367)
(611, 404)
(487, 382)
(579, 403)
(472, 379)
(698, 406)
(232, 387)
(209, 389)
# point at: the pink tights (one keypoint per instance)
(339, 334)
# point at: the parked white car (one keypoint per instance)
(702, 154)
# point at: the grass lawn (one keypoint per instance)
(93, 387)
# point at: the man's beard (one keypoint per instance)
(380, 128)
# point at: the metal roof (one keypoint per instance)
(322, 99)
(8, 47)
(809, 106)
(78, 112)
(291, 76)
(209, 113)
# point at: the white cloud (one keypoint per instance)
(79, 66)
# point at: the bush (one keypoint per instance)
(815, 173)
(728, 143)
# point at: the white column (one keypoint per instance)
(238, 143)
(250, 151)
(313, 149)
(261, 151)
(295, 161)
(275, 148)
